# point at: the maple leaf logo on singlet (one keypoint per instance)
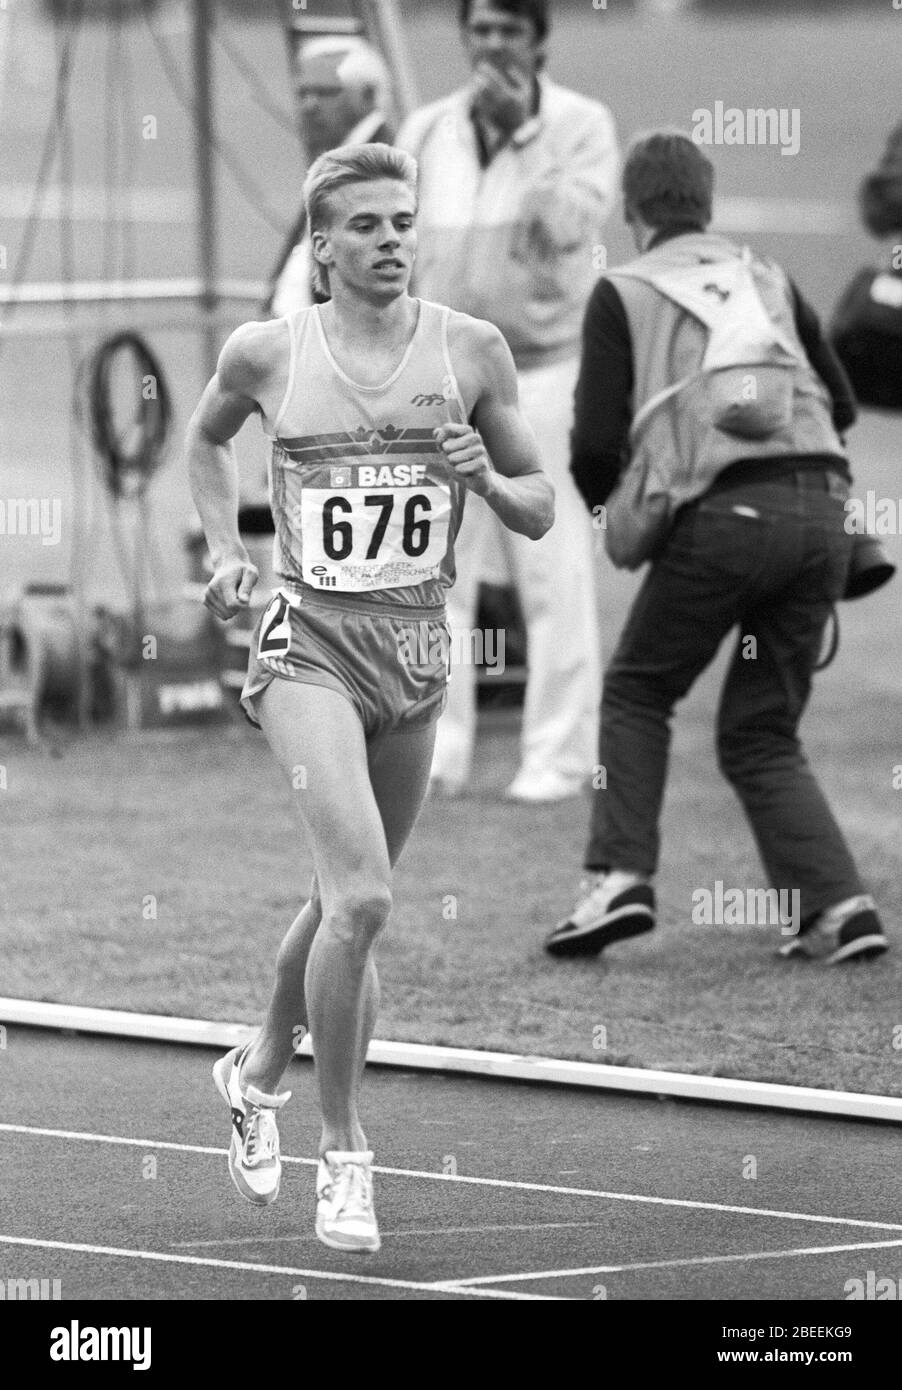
(362, 435)
(389, 432)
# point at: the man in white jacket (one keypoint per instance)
(517, 177)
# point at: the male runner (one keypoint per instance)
(383, 410)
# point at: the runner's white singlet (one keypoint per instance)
(361, 499)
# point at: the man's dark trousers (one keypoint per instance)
(771, 556)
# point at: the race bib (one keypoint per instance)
(275, 628)
(361, 538)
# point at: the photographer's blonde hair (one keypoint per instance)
(343, 166)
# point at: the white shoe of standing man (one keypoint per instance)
(547, 786)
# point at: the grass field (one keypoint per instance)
(159, 875)
(201, 824)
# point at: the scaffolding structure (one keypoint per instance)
(58, 635)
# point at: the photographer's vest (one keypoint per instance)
(681, 437)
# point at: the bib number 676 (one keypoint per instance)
(338, 536)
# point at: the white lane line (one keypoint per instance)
(247, 1266)
(128, 1143)
(507, 1183)
(678, 1264)
(397, 1235)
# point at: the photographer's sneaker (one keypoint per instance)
(612, 907)
(345, 1219)
(850, 931)
(254, 1161)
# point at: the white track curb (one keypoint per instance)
(469, 1062)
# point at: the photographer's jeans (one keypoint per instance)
(770, 557)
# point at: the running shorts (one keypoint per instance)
(391, 663)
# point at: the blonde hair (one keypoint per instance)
(346, 165)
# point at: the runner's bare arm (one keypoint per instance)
(244, 367)
(496, 457)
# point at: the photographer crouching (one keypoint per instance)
(708, 416)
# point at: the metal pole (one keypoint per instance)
(206, 209)
(384, 27)
(6, 20)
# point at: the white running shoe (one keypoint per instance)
(345, 1219)
(254, 1161)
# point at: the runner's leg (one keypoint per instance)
(286, 1019)
(358, 811)
(399, 774)
(318, 730)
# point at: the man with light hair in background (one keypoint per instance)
(344, 97)
(517, 177)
